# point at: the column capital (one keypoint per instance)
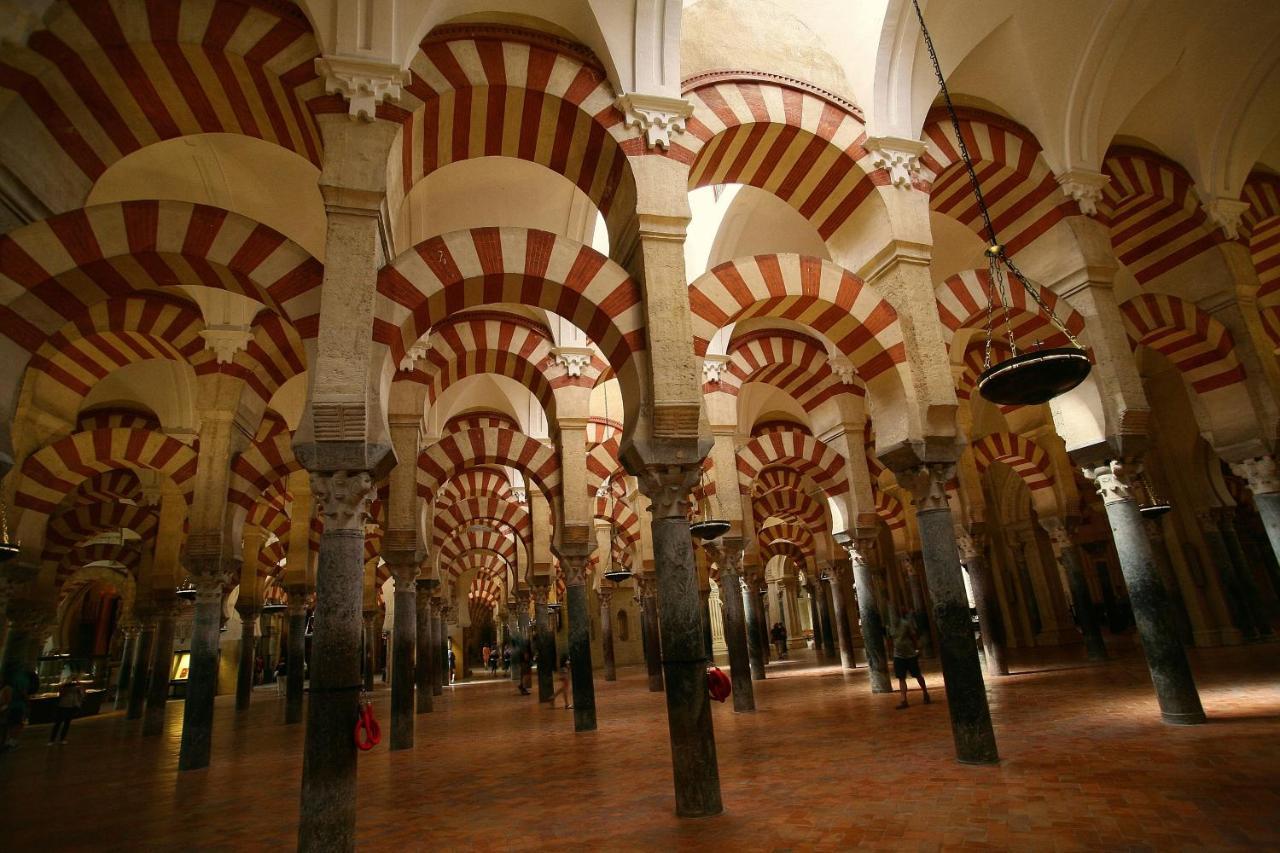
(362, 82)
(967, 545)
(541, 587)
(646, 585)
(1085, 187)
(668, 488)
(897, 155)
(605, 593)
(343, 498)
(1060, 531)
(906, 563)
(927, 484)
(1260, 472)
(574, 567)
(1114, 480)
(658, 116)
(404, 568)
(1226, 213)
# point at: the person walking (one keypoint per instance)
(282, 672)
(779, 637)
(70, 698)
(485, 654)
(564, 688)
(526, 668)
(493, 663)
(906, 655)
(453, 665)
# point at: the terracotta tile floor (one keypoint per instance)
(821, 765)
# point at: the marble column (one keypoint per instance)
(159, 665)
(1177, 604)
(762, 623)
(695, 768)
(647, 585)
(869, 614)
(919, 609)
(128, 652)
(815, 618)
(791, 609)
(404, 640)
(1227, 580)
(975, 740)
(370, 649)
(328, 811)
(606, 632)
(547, 662)
(1166, 659)
(584, 689)
(727, 554)
(704, 597)
(267, 648)
(296, 655)
(443, 615)
(424, 645)
(248, 656)
(1263, 478)
(837, 579)
(211, 575)
(1064, 548)
(973, 559)
(144, 650)
(1250, 596)
(822, 588)
(755, 643)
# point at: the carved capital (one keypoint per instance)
(842, 368)
(1060, 531)
(1226, 213)
(343, 498)
(657, 115)
(605, 594)
(928, 484)
(907, 564)
(1261, 474)
(712, 368)
(646, 586)
(1113, 479)
(363, 83)
(574, 360)
(899, 157)
(575, 569)
(404, 567)
(414, 356)
(1084, 187)
(541, 592)
(965, 544)
(668, 488)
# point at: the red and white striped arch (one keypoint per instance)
(100, 80)
(1198, 345)
(53, 270)
(482, 91)
(120, 484)
(603, 464)
(112, 417)
(480, 420)
(265, 462)
(485, 266)
(74, 524)
(478, 510)
(1029, 460)
(786, 548)
(127, 555)
(457, 451)
(1153, 212)
(465, 540)
(962, 303)
(624, 518)
(810, 291)
(274, 355)
(782, 136)
(51, 473)
(1018, 185)
(787, 360)
(1260, 226)
(485, 564)
(889, 509)
(790, 505)
(798, 451)
(786, 532)
(482, 597)
(481, 483)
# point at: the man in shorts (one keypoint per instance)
(906, 655)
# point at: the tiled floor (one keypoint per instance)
(821, 765)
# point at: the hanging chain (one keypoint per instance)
(995, 251)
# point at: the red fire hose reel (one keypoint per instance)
(368, 733)
(718, 684)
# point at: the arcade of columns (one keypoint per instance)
(467, 424)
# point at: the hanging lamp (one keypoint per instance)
(1027, 377)
(1154, 506)
(8, 548)
(186, 591)
(616, 573)
(707, 529)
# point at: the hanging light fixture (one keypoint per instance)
(8, 548)
(186, 591)
(1027, 377)
(1154, 506)
(706, 528)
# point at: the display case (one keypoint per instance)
(179, 673)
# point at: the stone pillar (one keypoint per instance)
(296, 655)
(647, 585)
(1060, 536)
(211, 575)
(267, 647)
(1249, 594)
(919, 610)
(128, 652)
(755, 643)
(584, 690)
(704, 597)
(821, 587)
(815, 617)
(837, 578)
(248, 656)
(606, 632)
(1166, 659)
(424, 641)
(971, 729)
(695, 769)
(1178, 605)
(160, 665)
(727, 554)
(370, 649)
(1264, 482)
(144, 651)
(547, 662)
(328, 811)
(441, 657)
(404, 639)
(869, 614)
(791, 607)
(1227, 580)
(973, 559)
(523, 598)
(762, 623)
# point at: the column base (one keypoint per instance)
(1183, 719)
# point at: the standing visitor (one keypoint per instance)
(779, 636)
(70, 698)
(906, 655)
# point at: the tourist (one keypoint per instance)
(452, 665)
(906, 655)
(493, 663)
(526, 668)
(779, 636)
(282, 671)
(485, 654)
(563, 689)
(70, 698)
(506, 657)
